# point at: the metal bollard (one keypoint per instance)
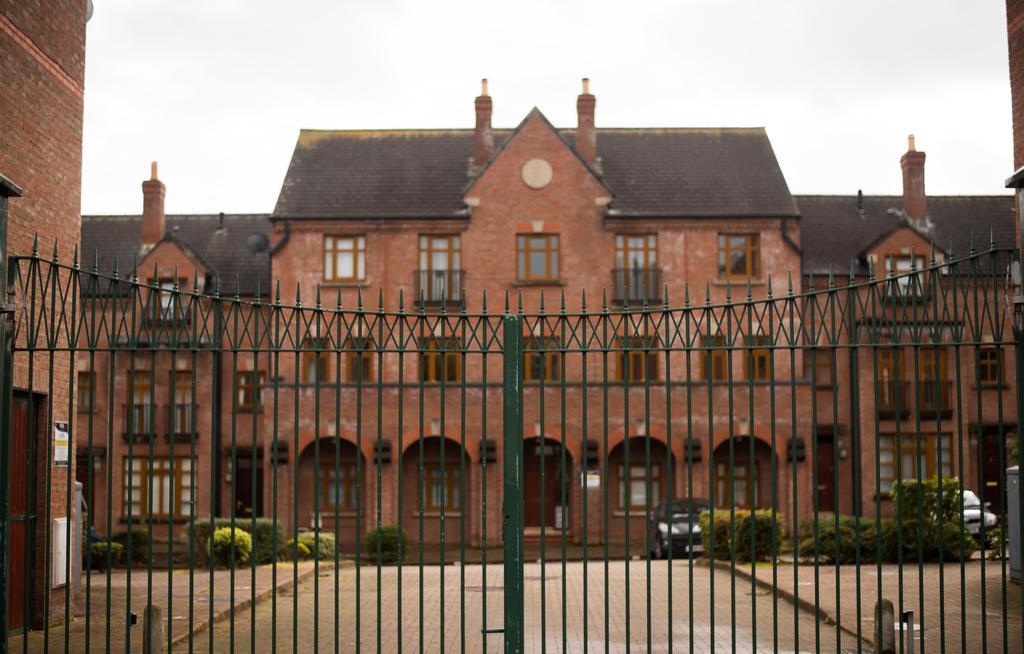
(907, 620)
(153, 630)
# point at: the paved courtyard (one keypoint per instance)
(750, 621)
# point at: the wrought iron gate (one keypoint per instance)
(753, 467)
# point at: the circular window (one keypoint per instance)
(537, 173)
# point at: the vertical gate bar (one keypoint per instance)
(512, 424)
(833, 300)
(38, 287)
(233, 512)
(731, 337)
(999, 325)
(443, 472)
(275, 463)
(133, 345)
(535, 343)
(939, 374)
(647, 372)
(975, 294)
(707, 316)
(749, 352)
(151, 427)
(855, 443)
(957, 346)
(666, 344)
(193, 430)
(73, 291)
(7, 190)
(623, 371)
(463, 503)
(47, 526)
(253, 326)
(400, 319)
(484, 339)
(773, 462)
(421, 346)
(317, 344)
(563, 490)
(584, 322)
(812, 310)
(175, 487)
(918, 452)
(1018, 323)
(604, 463)
(793, 341)
(297, 351)
(688, 343)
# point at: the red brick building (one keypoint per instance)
(433, 219)
(42, 49)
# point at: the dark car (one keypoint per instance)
(675, 526)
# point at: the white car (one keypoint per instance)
(976, 513)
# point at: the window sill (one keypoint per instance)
(356, 283)
(341, 515)
(157, 520)
(537, 282)
(634, 512)
(735, 281)
(1002, 386)
(437, 514)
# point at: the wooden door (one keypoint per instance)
(540, 495)
(17, 547)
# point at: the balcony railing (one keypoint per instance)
(437, 287)
(637, 285)
(935, 397)
(888, 394)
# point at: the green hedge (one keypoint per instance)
(139, 538)
(749, 526)
(393, 544)
(230, 546)
(915, 531)
(98, 554)
(322, 548)
(268, 537)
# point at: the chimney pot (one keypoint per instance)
(483, 135)
(915, 202)
(586, 133)
(153, 192)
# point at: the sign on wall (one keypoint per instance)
(61, 443)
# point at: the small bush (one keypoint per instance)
(98, 554)
(918, 506)
(753, 531)
(322, 548)
(294, 551)
(139, 538)
(229, 546)
(392, 542)
(268, 537)
(845, 533)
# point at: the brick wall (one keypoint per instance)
(1015, 43)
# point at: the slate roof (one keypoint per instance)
(224, 252)
(670, 172)
(833, 231)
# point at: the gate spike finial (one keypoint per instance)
(483, 302)
(769, 286)
(380, 298)
(520, 302)
(931, 254)
(853, 276)
(401, 300)
(257, 290)
(831, 278)
(789, 284)
(238, 288)
(359, 299)
(114, 266)
(707, 293)
(277, 293)
(750, 290)
(195, 282)
(665, 294)
(949, 250)
(686, 295)
(298, 294)
(583, 301)
(604, 300)
(728, 291)
(971, 251)
(563, 301)
(95, 260)
(55, 249)
(810, 282)
(338, 298)
(991, 238)
(542, 300)
(316, 297)
(507, 305)
(35, 245)
(74, 256)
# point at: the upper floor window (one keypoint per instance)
(315, 361)
(537, 256)
(738, 256)
(637, 362)
(542, 359)
(440, 359)
(248, 384)
(818, 367)
(714, 362)
(906, 284)
(636, 251)
(344, 258)
(758, 359)
(86, 391)
(359, 354)
(989, 369)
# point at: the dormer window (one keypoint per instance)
(344, 258)
(739, 256)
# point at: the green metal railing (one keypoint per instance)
(795, 427)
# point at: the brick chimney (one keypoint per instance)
(914, 200)
(586, 135)
(483, 136)
(153, 191)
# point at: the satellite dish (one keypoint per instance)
(257, 243)
(88, 11)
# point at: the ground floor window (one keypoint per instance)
(338, 486)
(914, 457)
(633, 486)
(742, 493)
(158, 488)
(443, 487)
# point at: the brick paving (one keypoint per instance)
(182, 596)
(954, 608)
(463, 613)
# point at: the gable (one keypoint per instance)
(535, 158)
(170, 259)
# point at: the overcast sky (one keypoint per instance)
(217, 90)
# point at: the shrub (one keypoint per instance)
(229, 546)
(293, 550)
(844, 531)
(322, 547)
(392, 541)
(139, 539)
(98, 554)
(268, 537)
(918, 508)
(753, 532)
